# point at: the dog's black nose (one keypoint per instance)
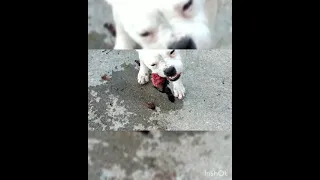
(184, 43)
(170, 71)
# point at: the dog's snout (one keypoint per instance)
(170, 71)
(184, 43)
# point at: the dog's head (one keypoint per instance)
(165, 63)
(163, 24)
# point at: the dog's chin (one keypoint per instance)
(174, 78)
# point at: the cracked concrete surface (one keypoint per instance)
(120, 102)
(99, 13)
(198, 155)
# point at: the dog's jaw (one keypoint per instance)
(175, 77)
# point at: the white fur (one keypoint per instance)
(162, 59)
(165, 19)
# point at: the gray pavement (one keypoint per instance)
(115, 155)
(99, 13)
(120, 103)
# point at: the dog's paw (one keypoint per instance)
(143, 78)
(179, 91)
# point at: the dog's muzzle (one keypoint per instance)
(184, 43)
(175, 77)
(171, 73)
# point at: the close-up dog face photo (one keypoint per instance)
(159, 24)
(159, 89)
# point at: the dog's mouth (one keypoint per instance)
(175, 77)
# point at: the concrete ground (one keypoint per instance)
(115, 155)
(99, 13)
(120, 102)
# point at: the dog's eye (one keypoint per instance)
(145, 34)
(153, 64)
(187, 5)
(171, 52)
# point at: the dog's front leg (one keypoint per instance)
(143, 75)
(178, 88)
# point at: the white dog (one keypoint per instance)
(164, 63)
(163, 24)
